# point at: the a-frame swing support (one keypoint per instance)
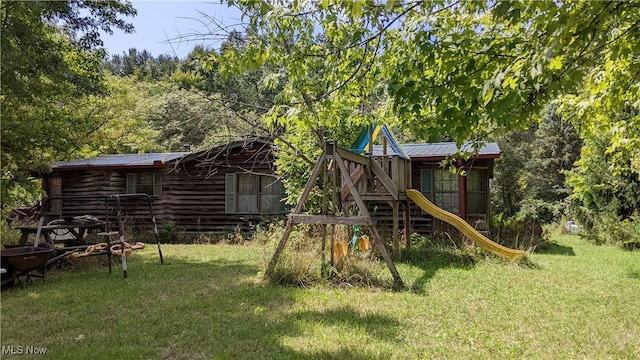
(332, 154)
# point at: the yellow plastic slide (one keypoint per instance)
(463, 226)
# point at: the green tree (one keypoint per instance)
(189, 117)
(446, 69)
(509, 186)
(606, 185)
(50, 58)
(554, 150)
(142, 64)
(118, 122)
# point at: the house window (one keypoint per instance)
(145, 183)
(253, 194)
(477, 192)
(441, 187)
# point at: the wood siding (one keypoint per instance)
(193, 191)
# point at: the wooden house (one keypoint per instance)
(234, 185)
(208, 191)
(465, 194)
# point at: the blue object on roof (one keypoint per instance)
(393, 143)
(361, 145)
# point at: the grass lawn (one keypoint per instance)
(578, 301)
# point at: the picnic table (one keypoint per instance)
(66, 236)
(64, 233)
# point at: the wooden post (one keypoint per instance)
(323, 227)
(369, 147)
(462, 189)
(334, 200)
(385, 255)
(396, 230)
(407, 223)
(279, 248)
(384, 146)
(296, 210)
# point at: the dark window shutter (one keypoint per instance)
(230, 194)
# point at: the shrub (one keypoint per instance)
(9, 235)
(268, 232)
(298, 264)
(519, 233)
(236, 236)
(169, 233)
(629, 232)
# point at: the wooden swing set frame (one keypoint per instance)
(363, 178)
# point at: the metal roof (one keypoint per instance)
(121, 160)
(441, 150)
(145, 160)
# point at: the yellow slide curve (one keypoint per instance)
(463, 226)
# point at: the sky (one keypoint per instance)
(159, 24)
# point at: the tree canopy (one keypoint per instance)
(50, 59)
(460, 69)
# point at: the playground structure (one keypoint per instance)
(350, 181)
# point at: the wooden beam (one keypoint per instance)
(310, 184)
(356, 175)
(351, 156)
(385, 255)
(365, 213)
(352, 187)
(279, 248)
(377, 197)
(385, 179)
(407, 223)
(305, 194)
(325, 219)
(462, 190)
(396, 229)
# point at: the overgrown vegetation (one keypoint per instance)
(606, 186)
(529, 187)
(209, 302)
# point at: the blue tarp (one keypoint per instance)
(360, 145)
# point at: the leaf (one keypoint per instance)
(556, 63)
(487, 97)
(510, 82)
(450, 113)
(357, 8)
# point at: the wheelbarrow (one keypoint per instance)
(24, 260)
